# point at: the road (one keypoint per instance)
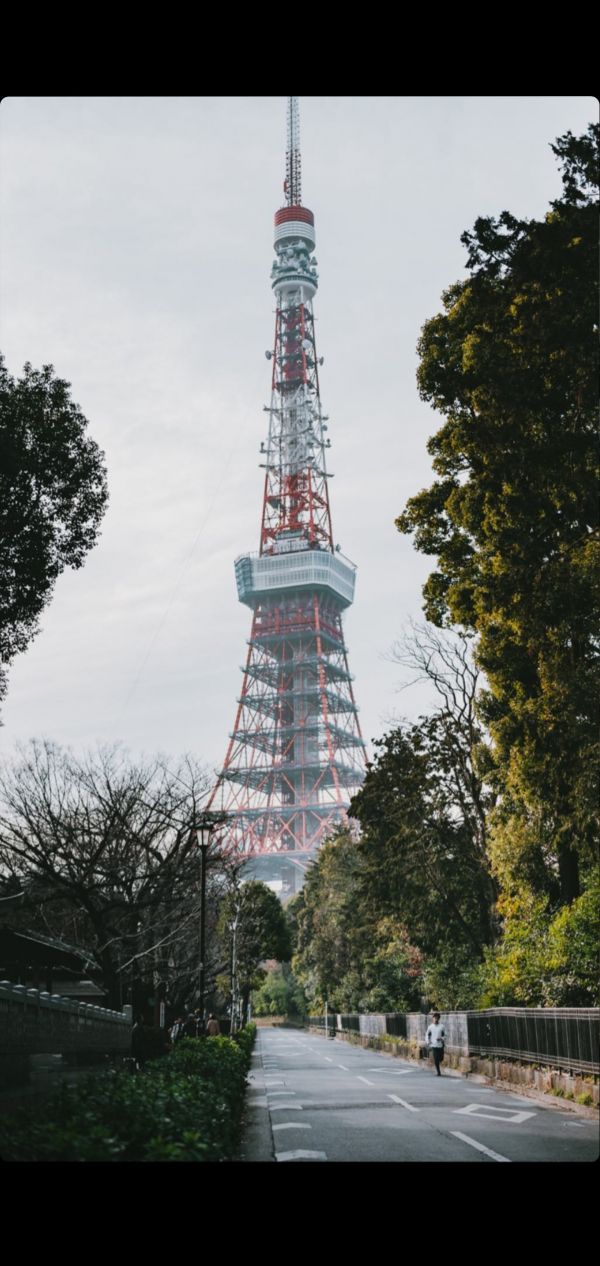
(313, 1099)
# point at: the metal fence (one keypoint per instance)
(566, 1038)
(563, 1037)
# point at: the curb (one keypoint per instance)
(257, 1145)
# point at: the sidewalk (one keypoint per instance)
(257, 1138)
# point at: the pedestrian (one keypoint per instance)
(435, 1039)
(177, 1029)
(139, 1045)
(190, 1029)
(213, 1028)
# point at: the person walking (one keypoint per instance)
(177, 1029)
(435, 1039)
(190, 1028)
(213, 1027)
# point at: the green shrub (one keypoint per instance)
(245, 1040)
(586, 1099)
(184, 1107)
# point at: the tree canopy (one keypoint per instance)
(512, 516)
(254, 928)
(53, 495)
(102, 850)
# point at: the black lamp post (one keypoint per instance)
(203, 834)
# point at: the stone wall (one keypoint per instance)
(34, 1023)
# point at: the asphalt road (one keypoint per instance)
(313, 1099)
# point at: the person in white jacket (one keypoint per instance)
(435, 1038)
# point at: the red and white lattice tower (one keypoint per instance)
(296, 754)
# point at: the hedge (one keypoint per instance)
(184, 1107)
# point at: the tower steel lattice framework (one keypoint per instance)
(296, 754)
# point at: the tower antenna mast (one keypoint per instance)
(293, 158)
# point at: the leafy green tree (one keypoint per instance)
(53, 495)
(513, 513)
(254, 927)
(347, 953)
(280, 994)
(545, 957)
(421, 861)
(325, 914)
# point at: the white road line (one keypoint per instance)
(367, 1083)
(274, 1083)
(410, 1106)
(328, 1058)
(292, 1125)
(300, 1154)
(281, 1107)
(272, 1093)
(493, 1113)
(344, 1067)
(480, 1148)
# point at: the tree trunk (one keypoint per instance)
(568, 870)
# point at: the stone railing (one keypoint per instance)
(34, 1023)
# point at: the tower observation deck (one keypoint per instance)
(296, 754)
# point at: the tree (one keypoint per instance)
(544, 957)
(280, 994)
(253, 927)
(348, 951)
(324, 918)
(103, 852)
(53, 495)
(460, 750)
(421, 862)
(513, 517)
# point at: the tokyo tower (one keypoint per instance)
(296, 754)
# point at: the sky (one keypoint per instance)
(135, 251)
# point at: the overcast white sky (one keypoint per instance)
(136, 246)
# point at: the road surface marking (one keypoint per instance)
(272, 1093)
(344, 1067)
(280, 1107)
(367, 1083)
(270, 1082)
(300, 1154)
(480, 1148)
(328, 1058)
(494, 1113)
(292, 1125)
(410, 1106)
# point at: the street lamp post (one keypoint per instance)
(203, 834)
(234, 976)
